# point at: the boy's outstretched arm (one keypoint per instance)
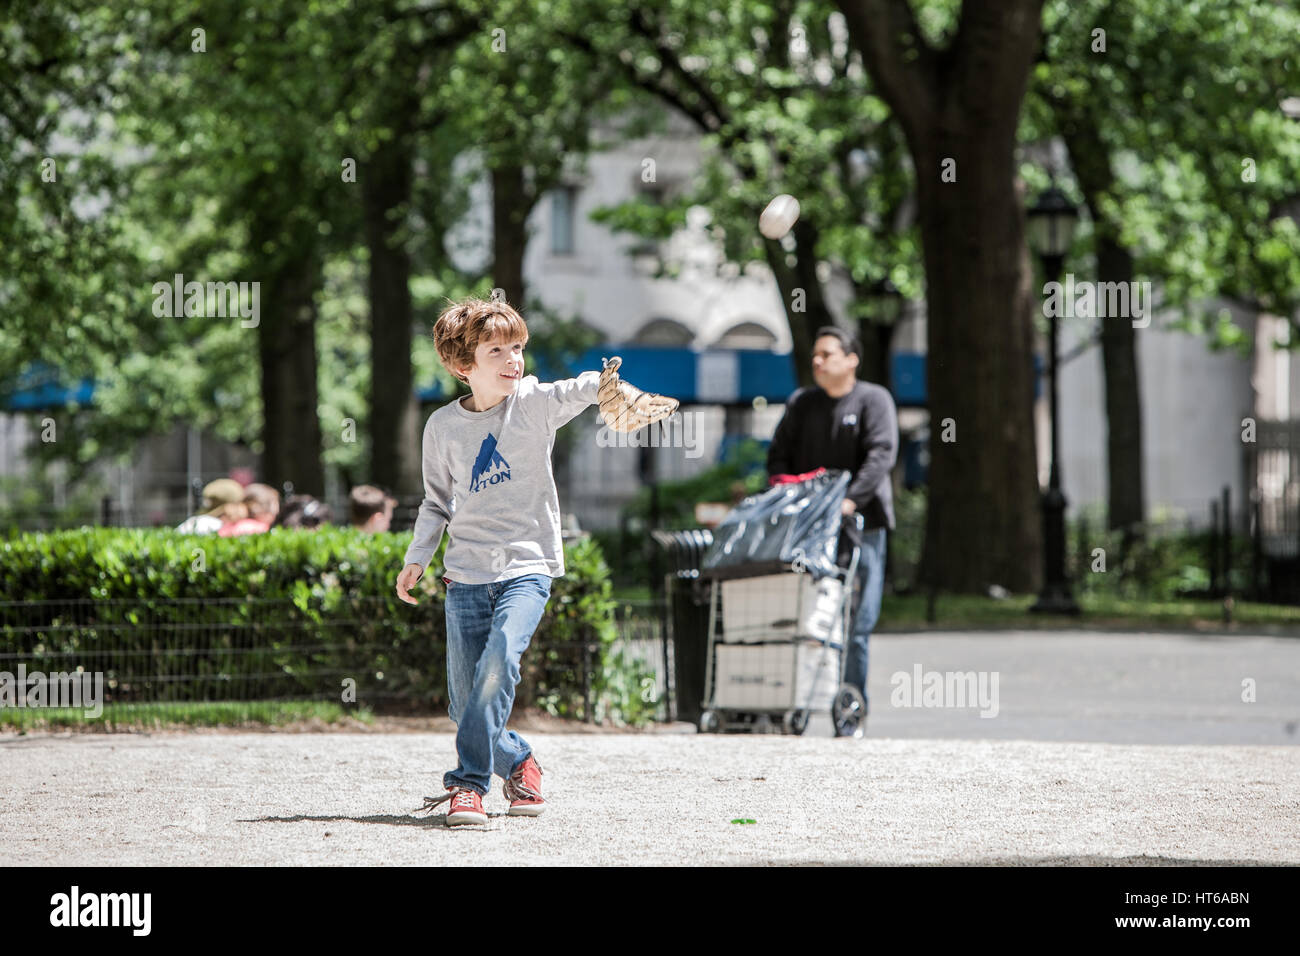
(623, 406)
(435, 513)
(564, 400)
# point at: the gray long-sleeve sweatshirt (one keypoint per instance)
(857, 432)
(488, 482)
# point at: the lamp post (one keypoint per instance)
(1051, 222)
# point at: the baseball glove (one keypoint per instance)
(624, 407)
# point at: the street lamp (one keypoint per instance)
(1050, 228)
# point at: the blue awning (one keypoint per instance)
(713, 376)
(37, 387)
(720, 376)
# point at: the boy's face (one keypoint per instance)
(498, 367)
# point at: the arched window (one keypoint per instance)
(746, 335)
(668, 332)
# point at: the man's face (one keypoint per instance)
(498, 367)
(381, 520)
(830, 363)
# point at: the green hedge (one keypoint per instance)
(283, 615)
(1165, 564)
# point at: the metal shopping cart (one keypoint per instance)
(780, 614)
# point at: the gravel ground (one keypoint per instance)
(1105, 750)
(236, 799)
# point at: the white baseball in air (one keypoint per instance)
(779, 217)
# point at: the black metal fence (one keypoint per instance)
(243, 650)
(1272, 466)
(1230, 553)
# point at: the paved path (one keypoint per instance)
(1093, 686)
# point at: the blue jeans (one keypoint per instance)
(871, 586)
(489, 626)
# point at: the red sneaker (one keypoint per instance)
(466, 806)
(524, 790)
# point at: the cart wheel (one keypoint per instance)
(795, 721)
(849, 712)
(710, 723)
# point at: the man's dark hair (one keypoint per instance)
(847, 342)
(367, 500)
(304, 511)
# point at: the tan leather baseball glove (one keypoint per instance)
(624, 407)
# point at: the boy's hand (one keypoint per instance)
(406, 580)
(624, 407)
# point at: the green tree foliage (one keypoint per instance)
(1187, 100)
(219, 156)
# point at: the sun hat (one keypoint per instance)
(217, 494)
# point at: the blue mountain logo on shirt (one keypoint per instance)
(489, 466)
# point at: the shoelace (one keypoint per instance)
(516, 789)
(461, 795)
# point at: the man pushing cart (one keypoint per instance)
(779, 613)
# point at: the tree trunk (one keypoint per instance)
(291, 433)
(983, 524)
(511, 204)
(394, 413)
(800, 279)
(1126, 507)
(876, 339)
(1090, 159)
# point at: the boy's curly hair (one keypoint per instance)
(465, 324)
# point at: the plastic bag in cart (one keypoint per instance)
(796, 523)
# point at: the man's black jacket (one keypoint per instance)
(858, 432)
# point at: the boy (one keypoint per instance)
(488, 482)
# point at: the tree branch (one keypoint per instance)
(990, 57)
(656, 87)
(898, 58)
(642, 27)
